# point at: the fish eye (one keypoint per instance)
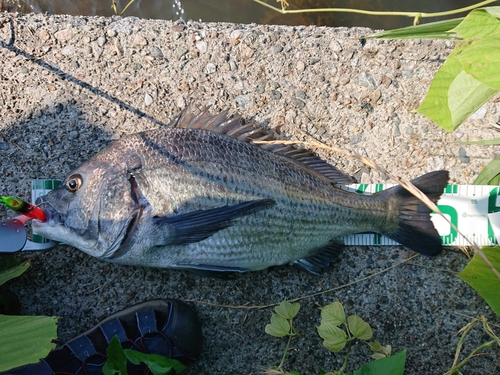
(74, 183)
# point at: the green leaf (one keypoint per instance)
(393, 365)
(359, 328)
(434, 30)
(11, 268)
(481, 277)
(453, 95)
(481, 59)
(25, 339)
(478, 24)
(489, 174)
(279, 326)
(375, 346)
(287, 310)
(334, 338)
(465, 96)
(333, 313)
(158, 364)
(116, 364)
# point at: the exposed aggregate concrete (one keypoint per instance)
(70, 85)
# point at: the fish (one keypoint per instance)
(201, 194)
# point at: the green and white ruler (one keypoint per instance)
(473, 209)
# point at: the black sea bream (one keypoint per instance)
(200, 195)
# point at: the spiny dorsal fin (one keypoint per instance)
(235, 128)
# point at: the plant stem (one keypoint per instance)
(280, 367)
(377, 13)
(455, 368)
(344, 365)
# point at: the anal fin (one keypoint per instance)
(316, 263)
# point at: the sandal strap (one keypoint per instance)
(114, 327)
(82, 348)
(146, 322)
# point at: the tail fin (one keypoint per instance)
(415, 229)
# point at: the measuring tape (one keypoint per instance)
(473, 209)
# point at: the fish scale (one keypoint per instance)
(200, 195)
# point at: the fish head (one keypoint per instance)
(93, 209)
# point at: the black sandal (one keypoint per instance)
(168, 327)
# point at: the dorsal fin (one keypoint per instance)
(235, 128)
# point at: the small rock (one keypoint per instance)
(479, 114)
(148, 100)
(409, 130)
(86, 39)
(4, 146)
(298, 103)
(236, 34)
(261, 87)
(179, 52)
(24, 70)
(181, 102)
(139, 40)
(300, 66)
(44, 35)
(202, 46)
(111, 33)
(407, 73)
(276, 95)
(355, 139)
(211, 68)
(75, 65)
(101, 41)
(64, 35)
(277, 48)
(335, 46)
(301, 94)
(239, 86)
(395, 127)
(156, 52)
(366, 80)
(344, 81)
(246, 52)
(243, 100)
(67, 51)
(73, 134)
(462, 155)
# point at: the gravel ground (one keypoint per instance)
(70, 85)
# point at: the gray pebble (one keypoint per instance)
(298, 103)
(67, 51)
(276, 95)
(148, 99)
(261, 87)
(180, 51)
(4, 146)
(156, 52)
(202, 46)
(479, 114)
(395, 127)
(64, 35)
(73, 134)
(101, 41)
(366, 80)
(111, 33)
(355, 139)
(409, 130)
(75, 65)
(277, 48)
(274, 85)
(211, 68)
(462, 155)
(243, 100)
(335, 46)
(301, 94)
(24, 70)
(407, 73)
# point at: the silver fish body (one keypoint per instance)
(201, 196)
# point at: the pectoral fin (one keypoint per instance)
(198, 225)
(318, 262)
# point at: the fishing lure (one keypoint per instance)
(24, 208)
